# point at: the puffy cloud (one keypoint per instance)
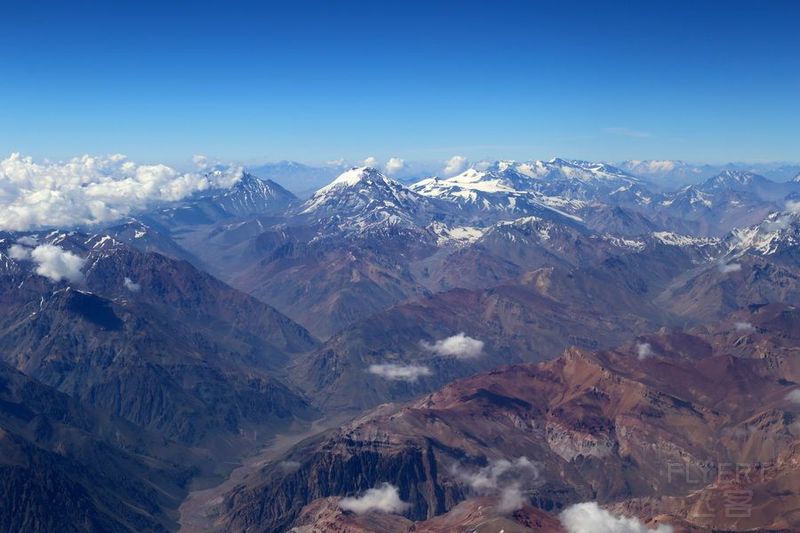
(27, 240)
(505, 478)
(727, 268)
(744, 326)
(794, 396)
(385, 498)
(482, 165)
(590, 518)
(793, 206)
(455, 165)
(55, 263)
(511, 498)
(644, 350)
(370, 162)
(19, 252)
(396, 372)
(459, 346)
(394, 165)
(129, 284)
(89, 190)
(200, 161)
(491, 476)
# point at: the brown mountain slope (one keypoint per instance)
(532, 319)
(607, 426)
(478, 515)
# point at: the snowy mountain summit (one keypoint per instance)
(779, 233)
(363, 197)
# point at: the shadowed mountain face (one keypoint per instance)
(155, 341)
(606, 426)
(249, 196)
(68, 468)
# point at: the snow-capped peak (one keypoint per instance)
(364, 198)
(731, 178)
(354, 176)
(778, 232)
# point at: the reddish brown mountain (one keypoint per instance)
(660, 417)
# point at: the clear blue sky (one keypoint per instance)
(311, 81)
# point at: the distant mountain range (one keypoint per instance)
(303, 180)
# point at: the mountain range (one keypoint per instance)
(511, 347)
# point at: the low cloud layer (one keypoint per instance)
(129, 284)
(727, 268)
(744, 326)
(591, 518)
(507, 479)
(781, 221)
(396, 372)
(57, 264)
(459, 346)
(794, 396)
(644, 350)
(385, 498)
(89, 190)
(289, 466)
(19, 252)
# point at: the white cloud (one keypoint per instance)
(200, 161)
(385, 498)
(459, 346)
(482, 165)
(492, 476)
(727, 268)
(511, 498)
(505, 478)
(652, 166)
(455, 165)
(129, 284)
(794, 396)
(19, 252)
(289, 466)
(793, 206)
(394, 165)
(370, 162)
(336, 162)
(590, 518)
(396, 372)
(644, 350)
(89, 190)
(744, 326)
(56, 264)
(502, 477)
(27, 240)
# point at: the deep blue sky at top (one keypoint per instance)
(318, 80)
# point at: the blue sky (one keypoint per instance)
(313, 81)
